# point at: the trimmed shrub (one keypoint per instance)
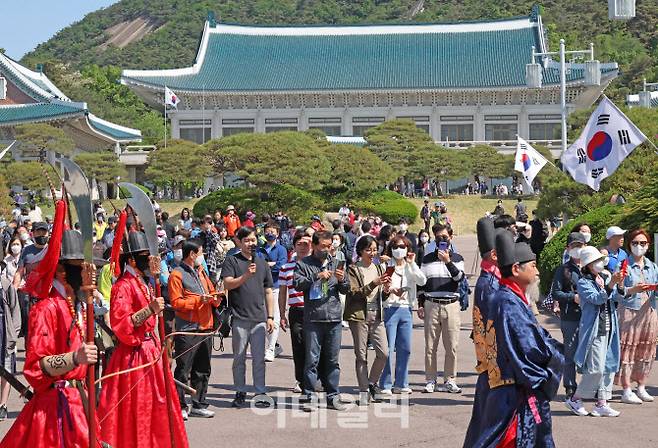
(598, 219)
(391, 206)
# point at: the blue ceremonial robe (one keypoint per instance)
(485, 288)
(524, 371)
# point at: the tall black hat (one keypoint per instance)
(486, 235)
(136, 242)
(509, 252)
(72, 246)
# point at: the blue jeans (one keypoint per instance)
(570, 339)
(322, 338)
(399, 323)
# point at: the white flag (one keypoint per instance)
(606, 141)
(171, 99)
(528, 161)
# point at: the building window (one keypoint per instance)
(3, 88)
(269, 129)
(330, 126)
(544, 117)
(500, 131)
(196, 135)
(545, 131)
(457, 132)
(361, 124)
(456, 118)
(280, 124)
(228, 130)
(230, 121)
(501, 117)
(422, 121)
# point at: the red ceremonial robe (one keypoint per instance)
(133, 409)
(54, 417)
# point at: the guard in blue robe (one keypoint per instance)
(524, 363)
(486, 286)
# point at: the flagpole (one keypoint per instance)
(165, 116)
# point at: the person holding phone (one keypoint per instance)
(398, 314)
(638, 320)
(438, 306)
(369, 287)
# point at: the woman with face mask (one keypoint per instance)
(597, 354)
(638, 321)
(398, 315)
(584, 229)
(423, 243)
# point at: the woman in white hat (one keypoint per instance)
(598, 353)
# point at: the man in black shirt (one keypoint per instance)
(248, 280)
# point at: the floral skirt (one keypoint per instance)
(639, 334)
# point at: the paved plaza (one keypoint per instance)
(436, 420)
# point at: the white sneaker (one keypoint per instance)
(629, 397)
(184, 413)
(429, 387)
(604, 411)
(451, 386)
(202, 412)
(269, 355)
(576, 406)
(345, 324)
(402, 390)
(386, 392)
(643, 395)
(298, 388)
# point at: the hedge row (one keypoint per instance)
(300, 205)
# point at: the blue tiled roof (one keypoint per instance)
(118, 133)
(250, 59)
(12, 115)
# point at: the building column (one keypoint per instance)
(347, 122)
(259, 122)
(216, 130)
(435, 127)
(478, 125)
(523, 125)
(302, 118)
(174, 132)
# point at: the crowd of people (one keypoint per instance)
(257, 276)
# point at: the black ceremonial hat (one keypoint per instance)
(509, 252)
(486, 235)
(136, 242)
(72, 246)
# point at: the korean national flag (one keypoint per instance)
(528, 161)
(606, 141)
(171, 99)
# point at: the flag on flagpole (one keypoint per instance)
(528, 161)
(171, 99)
(608, 138)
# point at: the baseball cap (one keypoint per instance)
(39, 226)
(177, 240)
(112, 219)
(230, 207)
(614, 231)
(576, 237)
(315, 218)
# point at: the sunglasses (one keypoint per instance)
(640, 243)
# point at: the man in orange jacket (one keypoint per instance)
(192, 296)
(231, 221)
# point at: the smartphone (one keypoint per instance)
(443, 245)
(390, 270)
(341, 265)
(624, 267)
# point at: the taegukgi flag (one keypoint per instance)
(528, 161)
(171, 99)
(608, 138)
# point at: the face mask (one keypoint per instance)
(142, 262)
(598, 266)
(178, 254)
(639, 251)
(198, 261)
(270, 237)
(399, 254)
(588, 236)
(424, 239)
(606, 261)
(24, 236)
(575, 253)
(403, 227)
(322, 255)
(73, 275)
(16, 249)
(335, 244)
(41, 240)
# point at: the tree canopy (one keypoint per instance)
(37, 138)
(181, 163)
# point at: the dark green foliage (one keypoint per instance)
(598, 219)
(389, 205)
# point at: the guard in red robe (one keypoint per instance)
(133, 409)
(56, 357)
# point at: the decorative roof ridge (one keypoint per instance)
(506, 24)
(32, 75)
(13, 67)
(118, 127)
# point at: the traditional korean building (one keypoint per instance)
(28, 96)
(464, 83)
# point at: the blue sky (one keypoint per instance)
(27, 23)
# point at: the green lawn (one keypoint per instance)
(466, 210)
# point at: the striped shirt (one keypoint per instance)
(286, 275)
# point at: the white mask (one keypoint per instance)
(178, 254)
(639, 251)
(403, 227)
(598, 266)
(399, 254)
(575, 253)
(588, 236)
(335, 244)
(424, 239)
(198, 261)
(15, 249)
(24, 236)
